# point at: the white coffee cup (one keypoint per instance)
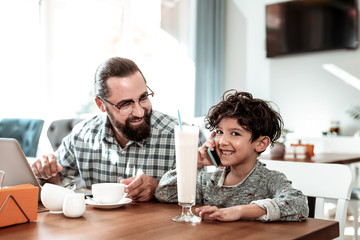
(52, 197)
(74, 205)
(108, 193)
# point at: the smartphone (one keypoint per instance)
(214, 157)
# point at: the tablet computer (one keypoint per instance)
(15, 165)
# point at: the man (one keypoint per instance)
(129, 142)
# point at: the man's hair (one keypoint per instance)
(113, 67)
(253, 114)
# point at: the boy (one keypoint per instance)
(243, 188)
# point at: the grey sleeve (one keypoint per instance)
(291, 202)
(167, 188)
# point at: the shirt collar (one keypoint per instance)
(226, 170)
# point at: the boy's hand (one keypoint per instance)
(220, 214)
(249, 211)
(203, 157)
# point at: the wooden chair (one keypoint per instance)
(322, 181)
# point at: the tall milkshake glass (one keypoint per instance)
(186, 145)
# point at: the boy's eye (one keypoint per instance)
(235, 134)
(218, 132)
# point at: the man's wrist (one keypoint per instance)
(53, 180)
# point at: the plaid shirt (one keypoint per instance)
(91, 153)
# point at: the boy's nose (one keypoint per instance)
(223, 140)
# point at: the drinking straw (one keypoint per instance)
(179, 118)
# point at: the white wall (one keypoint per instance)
(308, 97)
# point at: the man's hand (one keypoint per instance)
(140, 188)
(47, 168)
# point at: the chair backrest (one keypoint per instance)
(26, 131)
(322, 181)
(59, 129)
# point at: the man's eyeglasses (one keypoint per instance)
(126, 107)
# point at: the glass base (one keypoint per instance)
(184, 218)
(186, 215)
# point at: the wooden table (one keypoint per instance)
(342, 158)
(152, 220)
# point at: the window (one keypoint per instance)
(58, 45)
(20, 59)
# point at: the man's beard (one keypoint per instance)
(136, 133)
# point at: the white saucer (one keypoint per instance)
(122, 202)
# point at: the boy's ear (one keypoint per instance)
(262, 143)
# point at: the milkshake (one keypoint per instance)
(186, 148)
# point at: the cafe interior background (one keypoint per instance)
(50, 50)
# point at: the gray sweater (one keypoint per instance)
(267, 188)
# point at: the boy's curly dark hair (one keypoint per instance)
(253, 114)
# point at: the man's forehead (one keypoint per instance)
(126, 87)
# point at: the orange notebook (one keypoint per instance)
(18, 204)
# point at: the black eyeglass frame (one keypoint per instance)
(132, 100)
